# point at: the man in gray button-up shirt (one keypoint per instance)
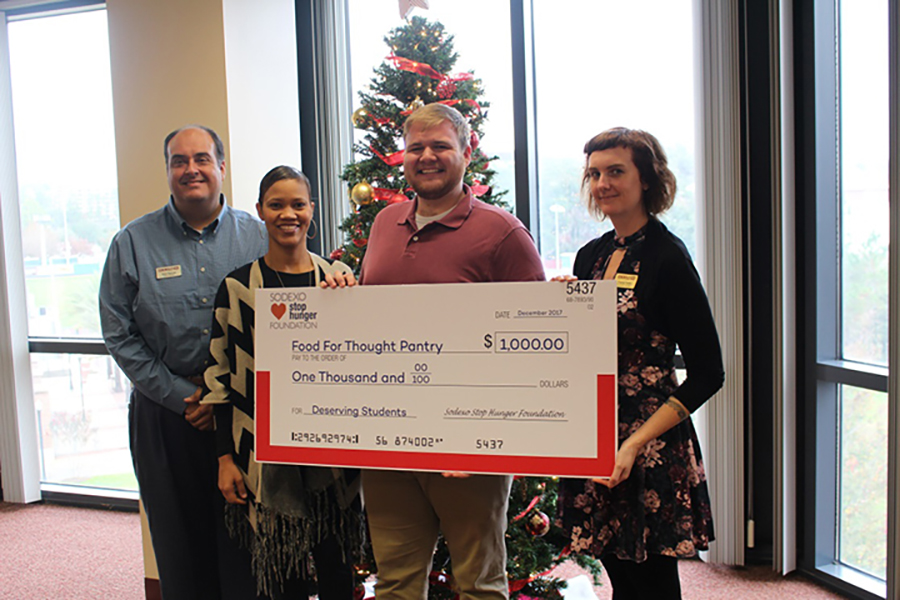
(156, 299)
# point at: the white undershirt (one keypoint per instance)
(423, 221)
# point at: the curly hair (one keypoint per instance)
(650, 160)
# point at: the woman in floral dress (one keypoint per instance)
(655, 507)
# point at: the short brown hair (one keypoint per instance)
(436, 113)
(217, 142)
(650, 160)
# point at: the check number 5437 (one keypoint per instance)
(580, 287)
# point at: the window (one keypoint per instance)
(594, 82)
(65, 155)
(851, 297)
(864, 126)
(608, 95)
(563, 92)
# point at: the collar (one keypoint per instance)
(635, 237)
(176, 217)
(454, 219)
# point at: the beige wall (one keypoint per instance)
(168, 70)
(227, 64)
(167, 59)
(263, 112)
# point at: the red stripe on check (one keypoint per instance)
(607, 435)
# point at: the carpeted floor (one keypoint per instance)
(54, 552)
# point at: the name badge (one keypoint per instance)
(168, 272)
(626, 281)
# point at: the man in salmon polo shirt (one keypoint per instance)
(444, 235)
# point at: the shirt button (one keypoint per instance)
(203, 300)
(201, 241)
(206, 332)
(203, 269)
(415, 238)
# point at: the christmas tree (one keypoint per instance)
(416, 72)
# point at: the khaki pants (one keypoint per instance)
(405, 511)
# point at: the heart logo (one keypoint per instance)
(279, 309)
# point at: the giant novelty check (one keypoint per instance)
(513, 378)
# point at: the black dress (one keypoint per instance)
(663, 507)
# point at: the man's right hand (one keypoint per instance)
(231, 483)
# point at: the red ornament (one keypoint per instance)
(360, 242)
(479, 190)
(537, 524)
(446, 88)
(337, 254)
(474, 141)
(396, 198)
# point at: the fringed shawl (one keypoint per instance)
(290, 508)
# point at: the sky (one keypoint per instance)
(63, 118)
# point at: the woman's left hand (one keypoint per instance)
(670, 414)
(338, 279)
(625, 458)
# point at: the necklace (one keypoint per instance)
(278, 275)
(280, 280)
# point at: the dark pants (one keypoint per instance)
(177, 471)
(654, 579)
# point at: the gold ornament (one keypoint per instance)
(362, 193)
(358, 117)
(415, 105)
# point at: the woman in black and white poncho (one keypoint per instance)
(283, 514)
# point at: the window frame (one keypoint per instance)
(25, 478)
(820, 356)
